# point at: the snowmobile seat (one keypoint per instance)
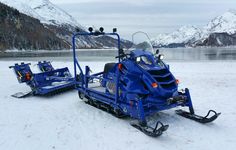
(45, 66)
(108, 67)
(22, 71)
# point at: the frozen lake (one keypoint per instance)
(180, 54)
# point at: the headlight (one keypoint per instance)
(138, 59)
(161, 56)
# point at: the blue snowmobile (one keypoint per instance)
(138, 85)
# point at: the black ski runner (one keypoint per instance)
(198, 118)
(22, 94)
(150, 131)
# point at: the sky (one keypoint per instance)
(151, 16)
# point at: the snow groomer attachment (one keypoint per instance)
(138, 85)
(49, 82)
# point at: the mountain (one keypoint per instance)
(111, 42)
(19, 31)
(218, 39)
(183, 35)
(45, 11)
(218, 32)
(54, 18)
(57, 21)
(225, 23)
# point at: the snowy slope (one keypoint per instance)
(223, 23)
(43, 10)
(23, 7)
(64, 122)
(182, 35)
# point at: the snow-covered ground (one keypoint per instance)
(64, 122)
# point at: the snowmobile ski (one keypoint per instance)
(150, 131)
(22, 94)
(198, 118)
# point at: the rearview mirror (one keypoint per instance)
(157, 51)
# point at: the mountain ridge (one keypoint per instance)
(187, 37)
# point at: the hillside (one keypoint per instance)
(19, 31)
(58, 21)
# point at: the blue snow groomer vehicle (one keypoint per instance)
(49, 81)
(138, 85)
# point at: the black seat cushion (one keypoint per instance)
(108, 67)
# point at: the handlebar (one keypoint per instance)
(122, 55)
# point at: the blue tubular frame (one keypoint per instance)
(84, 75)
(190, 104)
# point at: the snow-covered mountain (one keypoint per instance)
(224, 23)
(44, 10)
(22, 7)
(53, 18)
(192, 36)
(59, 22)
(183, 35)
(20, 31)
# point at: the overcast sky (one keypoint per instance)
(151, 16)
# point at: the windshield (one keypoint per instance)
(143, 60)
(141, 41)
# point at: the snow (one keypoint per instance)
(65, 122)
(43, 10)
(218, 41)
